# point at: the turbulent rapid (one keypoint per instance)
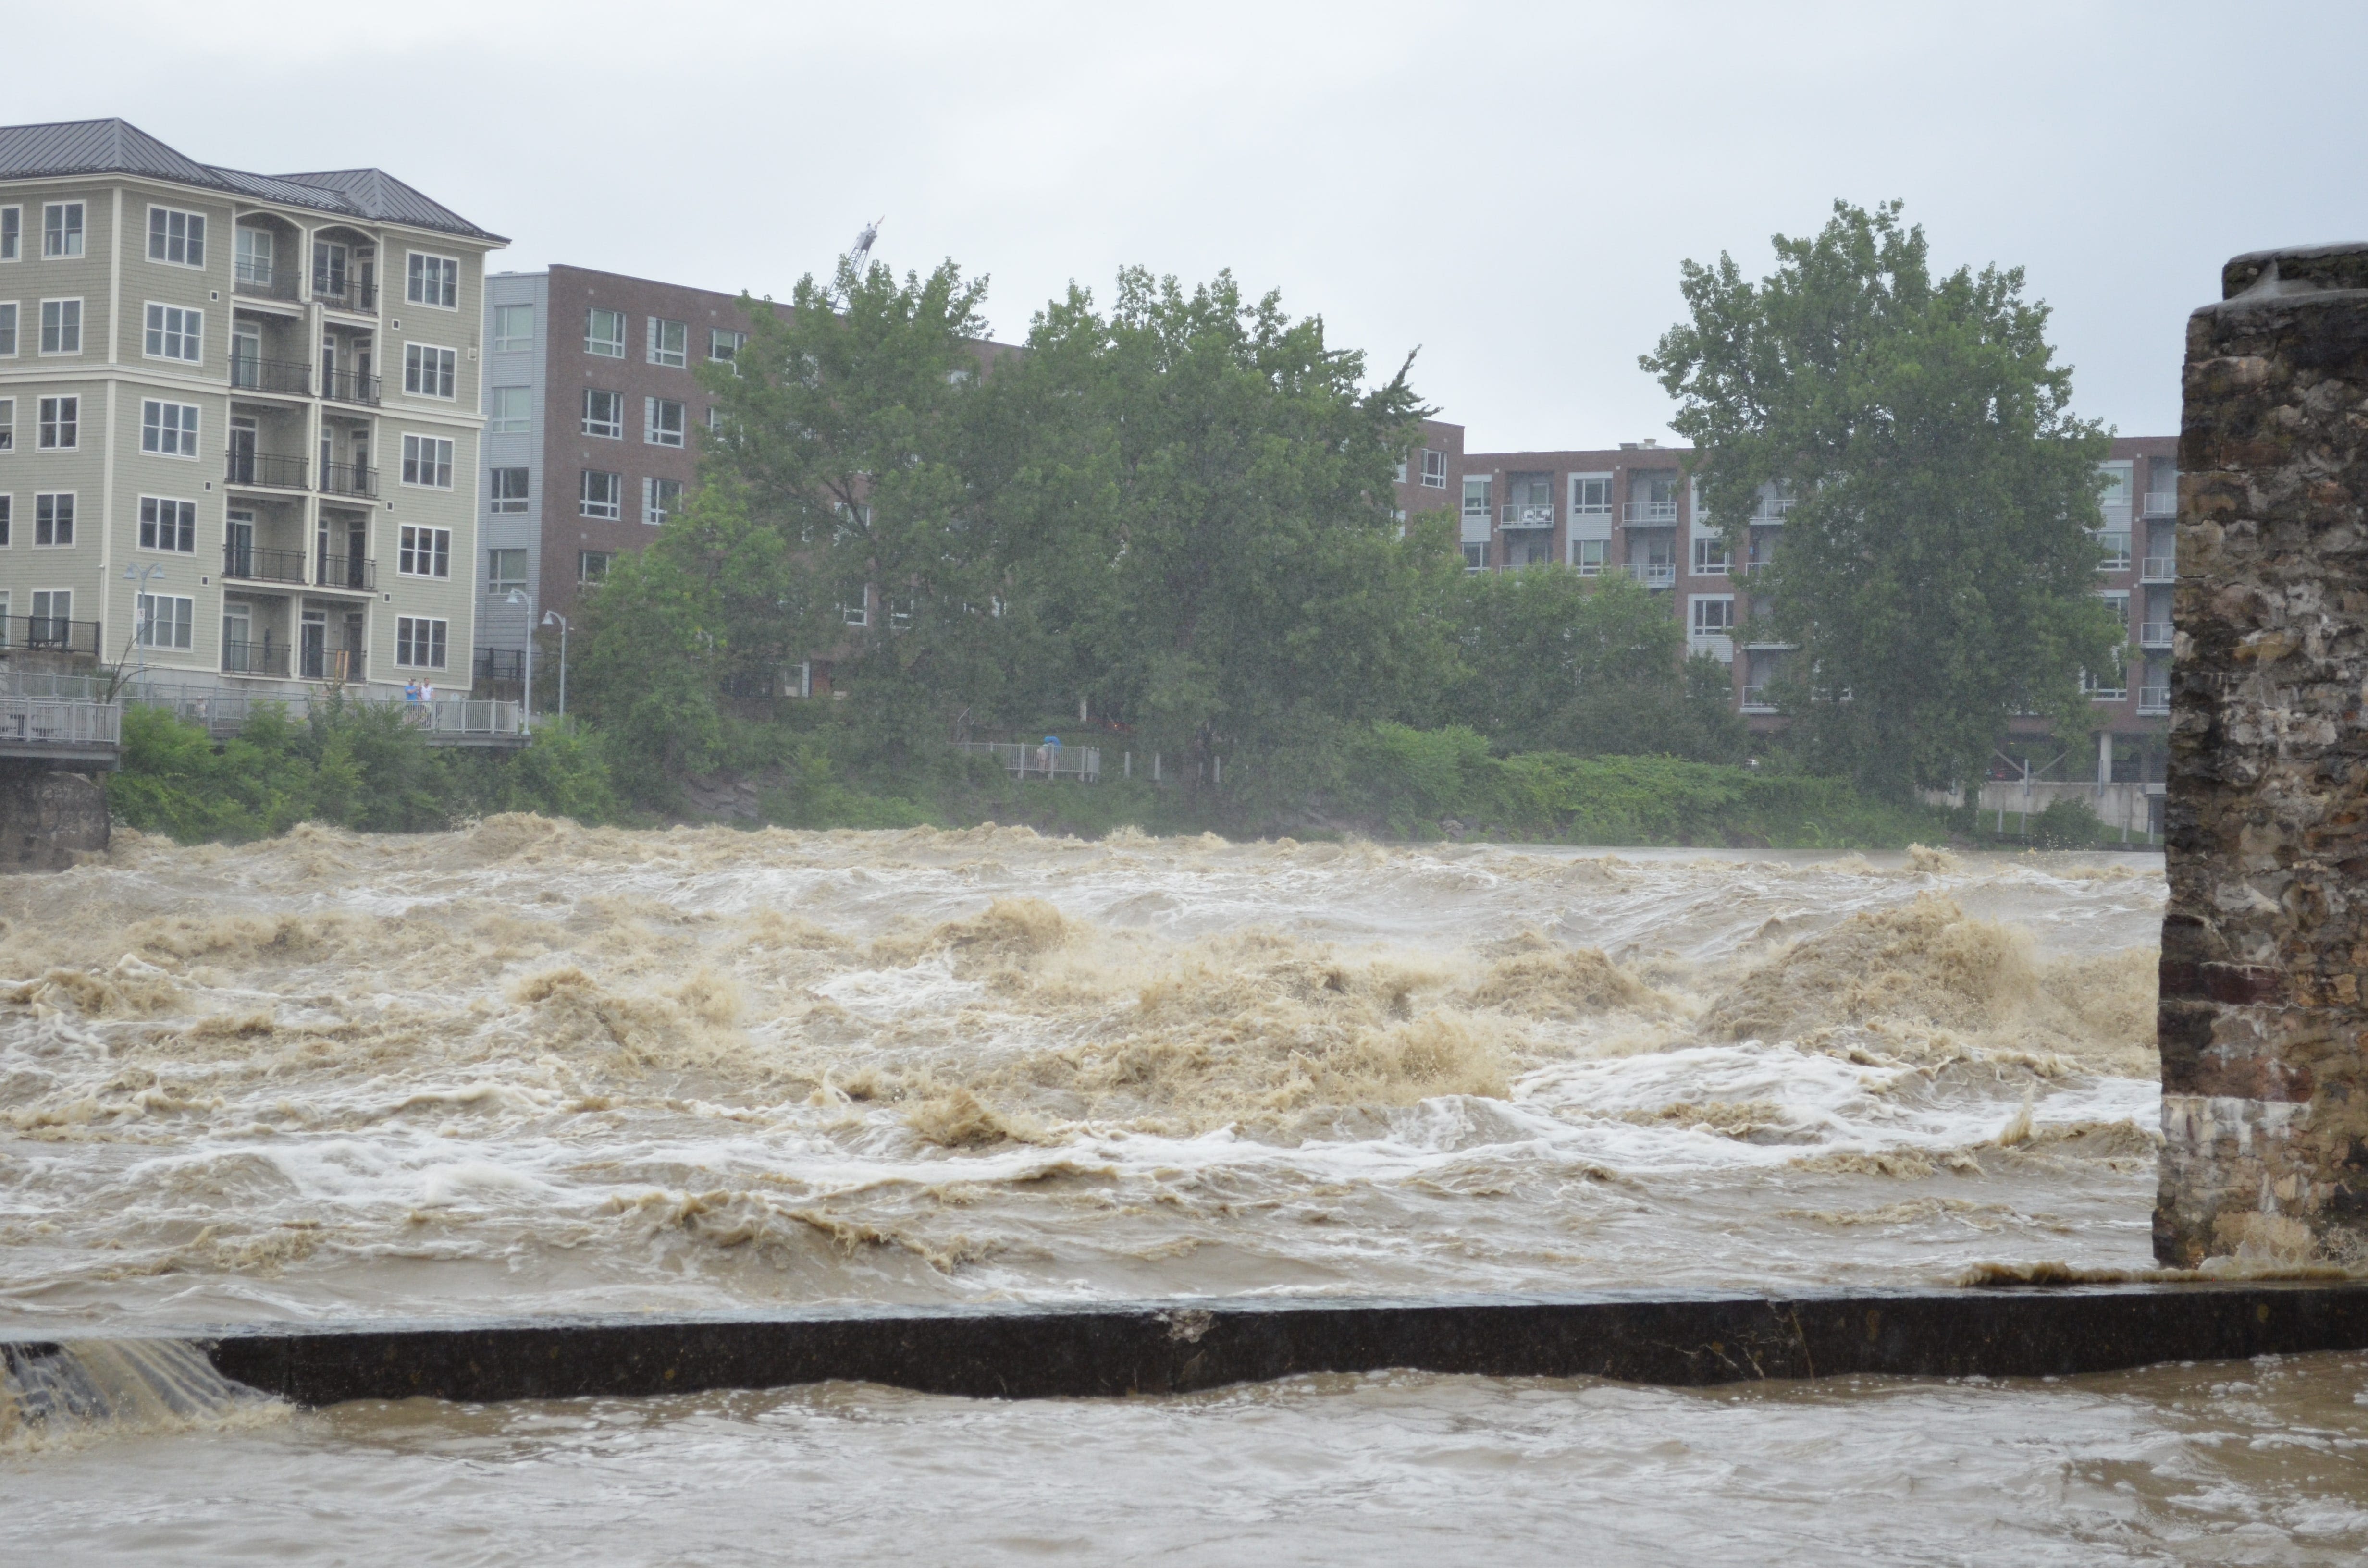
(534, 1068)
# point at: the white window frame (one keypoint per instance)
(604, 348)
(584, 559)
(421, 634)
(11, 232)
(152, 523)
(614, 509)
(159, 333)
(71, 510)
(500, 505)
(416, 369)
(500, 423)
(496, 584)
(679, 356)
(73, 241)
(723, 347)
(1582, 484)
(1694, 627)
(1588, 556)
(192, 240)
(612, 428)
(8, 522)
(506, 343)
(423, 549)
(655, 435)
(52, 413)
(177, 622)
(60, 353)
(8, 423)
(180, 430)
(14, 315)
(1711, 557)
(1434, 469)
(431, 455)
(440, 277)
(653, 512)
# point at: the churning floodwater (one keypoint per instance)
(532, 1068)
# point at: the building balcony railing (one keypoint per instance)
(329, 663)
(346, 293)
(2159, 569)
(1757, 700)
(256, 565)
(2153, 634)
(1649, 514)
(1653, 573)
(49, 634)
(2162, 504)
(286, 378)
(1772, 514)
(2107, 693)
(261, 280)
(2154, 700)
(254, 659)
(346, 571)
(347, 386)
(264, 470)
(349, 479)
(1517, 515)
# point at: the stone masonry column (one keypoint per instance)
(2264, 1028)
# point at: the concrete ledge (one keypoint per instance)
(1036, 1352)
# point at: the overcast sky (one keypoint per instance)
(1510, 187)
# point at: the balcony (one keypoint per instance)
(262, 470)
(283, 377)
(1757, 700)
(347, 572)
(261, 280)
(1772, 514)
(1517, 515)
(256, 659)
(2162, 504)
(342, 294)
(2154, 701)
(346, 386)
(2153, 634)
(1649, 514)
(2159, 569)
(49, 634)
(251, 565)
(330, 663)
(349, 479)
(1653, 573)
(501, 664)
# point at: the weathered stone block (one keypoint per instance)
(48, 820)
(2263, 1030)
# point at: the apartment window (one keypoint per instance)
(2119, 603)
(1434, 469)
(168, 428)
(511, 414)
(53, 519)
(12, 234)
(428, 462)
(504, 569)
(856, 614)
(1402, 470)
(424, 553)
(2117, 483)
(662, 422)
(1475, 500)
(725, 346)
(508, 489)
(669, 342)
(603, 494)
(8, 423)
(604, 414)
(61, 424)
(1475, 558)
(592, 565)
(661, 498)
(168, 525)
(715, 420)
(604, 334)
(426, 371)
(1710, 557)
(432, 280)
(7, 329)
(60, 326)
(254, 258)
(62, 229)
(163, 620)
(418, 643)
(1587, 555)
(2112, 551)
(513, 328)
(175, 333)
(1713, 615)
(1591, 496)
(176, 236)
(8, 516)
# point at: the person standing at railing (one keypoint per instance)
(1048, 753)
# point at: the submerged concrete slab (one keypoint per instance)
(1177, 1347)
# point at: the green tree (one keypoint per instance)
(1935, 570)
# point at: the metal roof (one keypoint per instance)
(116, 146)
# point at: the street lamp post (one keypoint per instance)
(143, 575)
(552, 617)
(518, 596)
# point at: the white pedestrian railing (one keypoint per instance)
(1039, 761)
(1638, 513)
(63, 722)
(1653, 573)
(1521, 515)
(224, 712)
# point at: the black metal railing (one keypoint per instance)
(344, 293)
(330, 663)
(264, 469)
(49, 634)
(290, 377)
(349, 479)
(347, 386)
(265, 281)
(346, 571)
(266, 658)
(501, 664)
(259, 565)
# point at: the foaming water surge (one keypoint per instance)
(531, 1067)
(52, 1393)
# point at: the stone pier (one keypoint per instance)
(49, 819)
(2263, 1028)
